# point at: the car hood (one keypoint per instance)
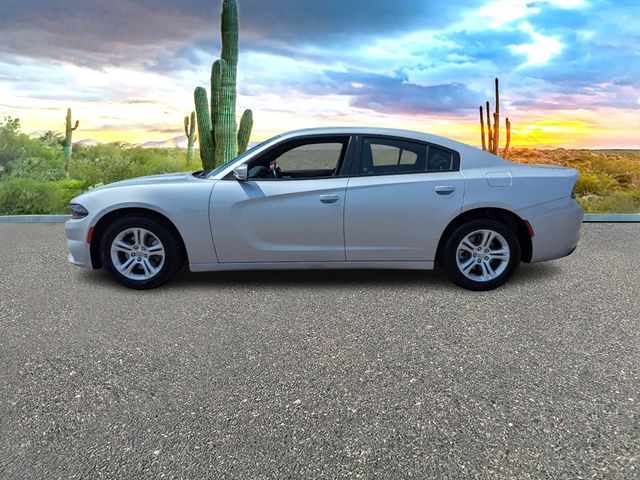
(164, 178)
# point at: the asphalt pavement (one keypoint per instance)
(320, 374)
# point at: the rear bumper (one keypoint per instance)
(556, 226)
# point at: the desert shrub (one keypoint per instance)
(105, 168)
(625, 171)
(113, 162)
(46, 166)
(152, 161)
(594, 183)
(614, 202)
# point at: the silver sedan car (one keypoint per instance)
(333, 198)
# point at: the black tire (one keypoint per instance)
(173, 253)
(450, 252)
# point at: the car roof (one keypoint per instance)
(395, 132)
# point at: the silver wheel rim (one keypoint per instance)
(483, 255)
(137, 254)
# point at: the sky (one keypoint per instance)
(569, 69)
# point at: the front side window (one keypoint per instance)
(313, 158)
(391, 156)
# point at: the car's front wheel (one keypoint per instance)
(140, 252)
(481, 254)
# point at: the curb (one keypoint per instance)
(34, 218)
(588, 218)
(612, 218)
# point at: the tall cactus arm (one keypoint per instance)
(496, 121)
(192, 129)
(496, 136)
(484, 143)
(489, 130)
(229, 31)
(244, 131)
(67, 145)
(190, 132)
(207, 150)
(505, 153)
(216, 88)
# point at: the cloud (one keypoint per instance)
(96, 32)
(127, 32)
(395, 94)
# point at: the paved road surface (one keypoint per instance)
(320, 374)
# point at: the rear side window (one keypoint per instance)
(392, 156)
(439, 159)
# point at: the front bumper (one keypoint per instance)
(556, 226)
(79, 249)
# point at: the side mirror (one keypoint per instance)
(241, 172)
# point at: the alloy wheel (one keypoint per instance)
(137, 253)
(483, 255)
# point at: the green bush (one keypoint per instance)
(66, 190)
(28, 196)
(23, 196)
(23, 156)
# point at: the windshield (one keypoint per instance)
(214, 171)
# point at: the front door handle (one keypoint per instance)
(329, 198)
(444, 189)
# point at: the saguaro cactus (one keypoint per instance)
(190, 132)
(492, 141)
(219, 141)
(67, 144)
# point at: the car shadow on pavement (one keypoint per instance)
(526, 274)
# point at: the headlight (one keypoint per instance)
(78, 211)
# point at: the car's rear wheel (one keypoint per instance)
(141, 252)
(481, 254)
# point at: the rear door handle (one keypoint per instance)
(444, 189)
(329, 198)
